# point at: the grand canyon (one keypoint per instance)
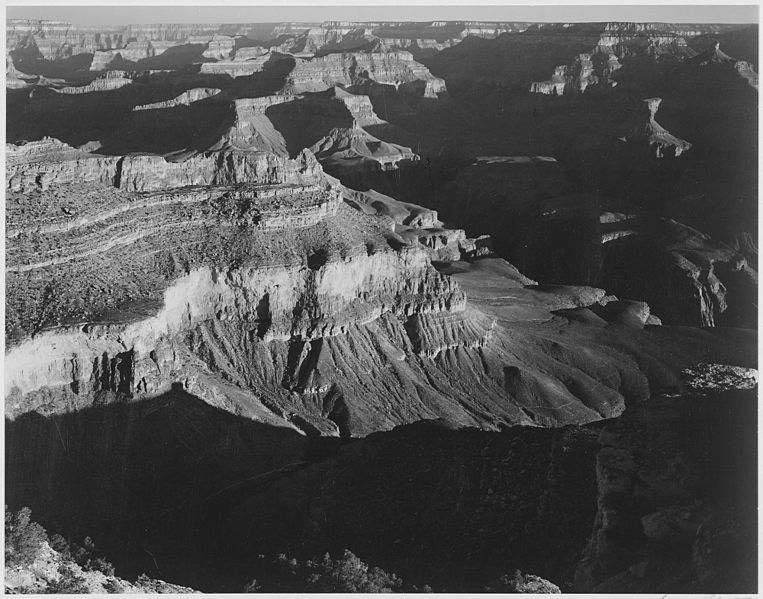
(450, 306)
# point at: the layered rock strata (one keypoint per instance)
(716, 56)
(686, 276)
(395, 68)
(245, 278)
(344, 147)
(236, 68)
(15, 79)
(417, 225)
(58, 39)
(252, 129)
(40, 165)
(187, 97)
(220, 47)
(133, 51)
(643, 129)
(110, 80)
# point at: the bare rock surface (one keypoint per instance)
(644, 129)
(348, 146)
(43, 576)
(110, 80)
(715, 56)
(252, 129)
(417, 225)
(237, 68)
(15, 79)
(394, 67)
(187, 97)
(687, 277)
(290, 277)
(671, 513)
(251, 306)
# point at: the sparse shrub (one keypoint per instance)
(151, 585)
(60, 544)
(350, 575)
(23, 538)
(347, 574)
(113, 586)
(521, 583)
(83, 554)
(69, 582)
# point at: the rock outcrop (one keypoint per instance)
(187, 97)
(52, 572)
(686, 277)
(108, 81)
(715, 56)
(249, 53)
(585, 70)
(394, 68)
(643, 129)
(417, 225)
(346, 147)
(133, 51)
(40, 165)
(554, 86)
(55, 40)
(220, 47)
(237, 68)
(609, 43)
(246, 266)
(671, 513)
(230, 329)
(252, 129)
(333, 37)
(359, 106)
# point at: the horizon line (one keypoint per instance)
(197, 14)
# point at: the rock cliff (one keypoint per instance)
(244, 277)
(344, 147)
(643, 129)
(108, 81)
(252, 129)
(715, 56)
(417, 225)
(237, 68)
(133, 51)
(687, 277)
(609, 43)
(220, 47)
(15, 79)
(671, 514)
(395, 68)
(184, 99)
(49, 163)
(56, 40)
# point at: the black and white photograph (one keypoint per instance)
(404, 298)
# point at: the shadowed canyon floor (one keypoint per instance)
(464, 298)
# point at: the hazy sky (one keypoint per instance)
(177, 13)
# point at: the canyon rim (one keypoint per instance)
(418, 305)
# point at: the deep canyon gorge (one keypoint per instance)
(464, 298)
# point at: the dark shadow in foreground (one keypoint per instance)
(193, 494)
